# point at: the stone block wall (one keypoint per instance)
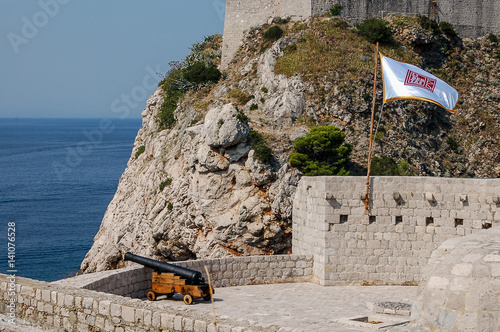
(254, 270)
(470, 18)
(360, 9)
(408, 218)
(64, 308)
(102, 301)
(241, 15)
(135, 280)
(461, 286)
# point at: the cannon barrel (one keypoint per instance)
(192, 276)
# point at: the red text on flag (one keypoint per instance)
(419, 80)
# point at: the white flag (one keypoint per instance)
(404, 81)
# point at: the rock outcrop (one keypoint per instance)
(218, 199)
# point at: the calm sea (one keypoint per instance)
(57, 177)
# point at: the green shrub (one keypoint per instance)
(200, 73)
(197, 69)
(447, 29)
(165, 183)
(387, 166)
(336, 9)
(177, 82)
(170, 206)
(264, 89)
(279, 20)
(375, 30)
(253, 107)
(273, 33)
(452, 143)
(493, 38)
(261, 151)
(242, 117)
(321, 152)
(427, 24)
(380, 134)
(262, 100)
(140, 151)
(220, 123)
(166, 115)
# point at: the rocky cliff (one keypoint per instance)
(199, 189)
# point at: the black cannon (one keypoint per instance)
(169, 279)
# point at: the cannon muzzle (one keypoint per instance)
(194, 277)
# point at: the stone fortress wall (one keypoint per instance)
(409, 218)
(113, 300)
(241, 15)
(470, 18)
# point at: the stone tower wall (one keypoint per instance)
(241, 15)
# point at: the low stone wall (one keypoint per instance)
(461, 286)
(64, 308)
(409, 217)
(101, 301)
(135, 281)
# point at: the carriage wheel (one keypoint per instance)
(151, 296)
(188, 299)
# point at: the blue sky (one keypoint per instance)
(94, 58)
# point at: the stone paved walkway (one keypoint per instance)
(301, 306)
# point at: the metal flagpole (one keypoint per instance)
(367, 198)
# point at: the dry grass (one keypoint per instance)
(330, 46)
(240, 97)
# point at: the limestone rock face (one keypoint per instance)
(289, 103)
(198, 190)
(222, 127)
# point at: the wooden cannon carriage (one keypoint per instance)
(168, 279)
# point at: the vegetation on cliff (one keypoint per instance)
(336, 62)
(198, 70)
(321, 152)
